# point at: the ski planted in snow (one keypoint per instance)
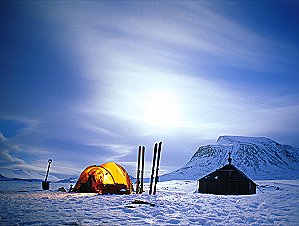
(153, 168)
(142, 168)
(157, 168)
(138, 170)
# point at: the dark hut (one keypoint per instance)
(227, 180)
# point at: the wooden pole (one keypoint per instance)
(142, 168)
(157, 169)
(153, 168)
(138, 170)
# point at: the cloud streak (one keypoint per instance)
(189, 52)
(225, 78)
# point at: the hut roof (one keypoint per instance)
(228, 167)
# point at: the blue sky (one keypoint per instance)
(87, 82)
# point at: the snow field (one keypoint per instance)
(175, 204)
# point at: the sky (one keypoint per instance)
(87, 82)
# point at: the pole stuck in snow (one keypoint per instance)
(157, 169)
(138, 170)
(45, 184)
(142, 168)
(153, 168)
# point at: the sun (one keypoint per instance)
(161, 109)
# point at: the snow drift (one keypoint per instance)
(23, 203)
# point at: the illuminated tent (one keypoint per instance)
(108, 178)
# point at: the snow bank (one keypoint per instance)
(175, 204)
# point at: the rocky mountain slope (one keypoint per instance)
(258, 157)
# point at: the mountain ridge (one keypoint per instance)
(257, 157)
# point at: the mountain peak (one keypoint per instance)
(258, 157)
(243, 139)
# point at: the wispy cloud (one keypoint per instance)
(116, 39)
(10, 149)
(116, 151)
(97, 129)
(7, 158)
(224, 77)
(184, 48)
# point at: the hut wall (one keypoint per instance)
(226, 187)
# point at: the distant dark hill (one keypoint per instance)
(257, 157)
(3, 178)
(26, 175)
(69, 180)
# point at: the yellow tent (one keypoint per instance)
(108, 178)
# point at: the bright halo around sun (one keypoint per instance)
(162, 110)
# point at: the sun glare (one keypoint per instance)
(161, 110)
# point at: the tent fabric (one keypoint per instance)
(108, 178)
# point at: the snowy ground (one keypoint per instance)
(24, 203)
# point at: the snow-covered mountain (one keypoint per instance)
(25, 174)
(257, 157)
